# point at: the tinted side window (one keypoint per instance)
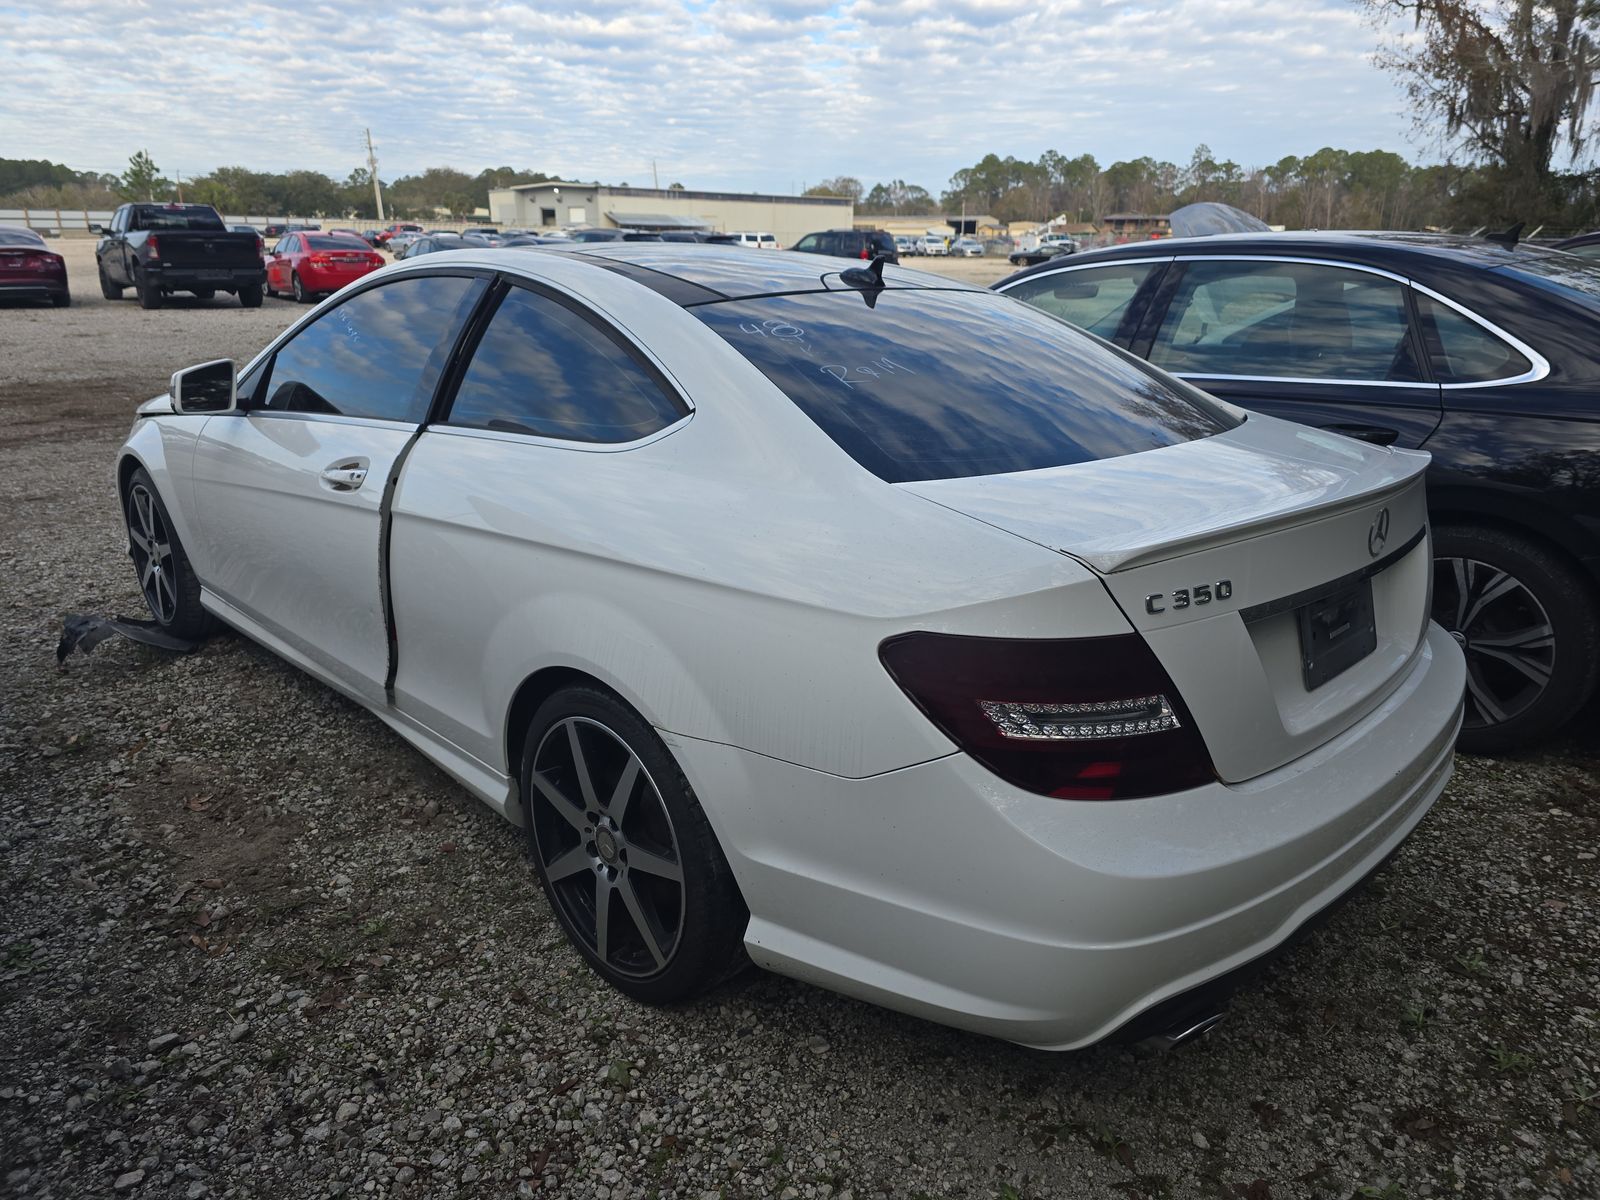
(807, 243)
(378, 354)
(543, 369)
(1464, 351)
(1095, 300)
(928, 384)
(1290, 320)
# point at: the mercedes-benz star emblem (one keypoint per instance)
(1378, 535)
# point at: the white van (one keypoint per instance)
(760, 241)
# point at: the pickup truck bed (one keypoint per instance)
(158, 249)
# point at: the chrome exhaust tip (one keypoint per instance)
(1186, 1030)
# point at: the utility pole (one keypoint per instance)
(655, 179)
(372, 169)
(179, 174)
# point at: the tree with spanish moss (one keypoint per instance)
(1509, 81)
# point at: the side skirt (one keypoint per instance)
(484, 782)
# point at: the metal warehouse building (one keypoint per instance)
(555, 203)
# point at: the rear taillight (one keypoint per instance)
(41, 262)
(152, 245)
(1079, 719)
(260, 245)
(320, 260)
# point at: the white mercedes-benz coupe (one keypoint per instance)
(886, 631)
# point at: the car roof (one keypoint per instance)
(703, 272)
(1378, 248)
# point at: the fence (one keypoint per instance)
(73, 221)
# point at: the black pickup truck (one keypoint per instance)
(158, 249)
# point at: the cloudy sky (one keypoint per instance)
(743, 94)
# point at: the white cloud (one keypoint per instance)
(761, 94)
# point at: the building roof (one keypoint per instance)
(633, 220)
(681, 194)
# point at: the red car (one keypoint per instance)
(29, 270)
(306, 265)
(397, 227)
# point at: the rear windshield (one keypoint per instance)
(930, 384)
(334, 242)
(177, 216)
(21, 237)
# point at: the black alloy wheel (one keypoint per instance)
(1526, 623)
(624, 851)
(168, 583)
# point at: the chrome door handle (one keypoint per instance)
(344, 477)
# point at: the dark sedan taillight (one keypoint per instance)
(42, 261)
(1078, 718)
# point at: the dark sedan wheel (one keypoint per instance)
(626, 856)
(171, 591)
(1527, 625)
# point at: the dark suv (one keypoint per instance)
(849, 243)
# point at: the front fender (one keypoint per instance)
(163, 444)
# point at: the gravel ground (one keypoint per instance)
(253, 945)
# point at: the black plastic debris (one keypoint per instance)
(83, 633)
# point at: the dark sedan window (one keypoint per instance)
(1287, 320)
(21, 237)
(545, 370)
(927, 384)
(1464, 351)
(376, 355)
(1095, 298)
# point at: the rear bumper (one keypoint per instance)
(221, 279)
(943, 892)
(331, 280)
(32, 289)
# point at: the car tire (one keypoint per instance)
(166, 580)
(149, 296)
(1529, 625)
(111, 291)
(250, 295)
(601, 797)
(301, 296)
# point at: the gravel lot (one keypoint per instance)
(253, 945)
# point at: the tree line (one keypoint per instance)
(35, 183)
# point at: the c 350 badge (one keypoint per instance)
(1198, 594)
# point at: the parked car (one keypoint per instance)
(905, 245)
(158, 249)
(1585, 245)
(1122, 652)
(390, 232)
(307, 265)
(756, 240)
(933, 244)
(433, 243)
(30, 270)
(484, 237)
(244, 229)
(1041, 253)
(967, 247)
(849, 243)
(355, 233)
(1486, 357)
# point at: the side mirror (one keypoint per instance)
(208, 388)
(96, 228)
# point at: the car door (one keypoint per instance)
(498, 515)
(290, 491)
(277, 265)
(1332, 345)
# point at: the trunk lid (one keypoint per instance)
(1281, 574)
(204, 248)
